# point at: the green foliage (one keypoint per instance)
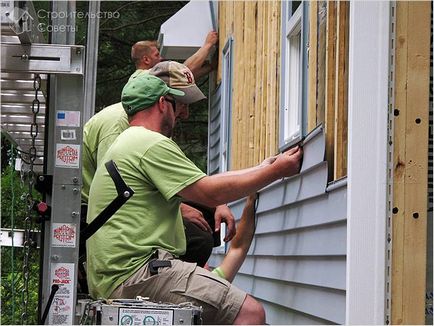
(12, 284)
(13, 212)
(12, 203)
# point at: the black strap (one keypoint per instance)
(155, 264)
(124, 193)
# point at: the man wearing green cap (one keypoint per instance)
(99, 134)
(135, 252)
(103, 128)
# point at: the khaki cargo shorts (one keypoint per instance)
(185, 282)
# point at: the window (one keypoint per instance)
(226, 105)
(292, 76)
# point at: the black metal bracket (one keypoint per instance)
(44, 184)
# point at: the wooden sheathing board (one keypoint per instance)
(226, 18)
(255, 28)
(250, 78)
(330, 85)
(259, 86)
(321, 56)
(262, 81)
(239, 127)
(341, 90)
(273, 78)
(328, 79)
(409, 220)
(312, 66)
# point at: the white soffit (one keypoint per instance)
(185, 32)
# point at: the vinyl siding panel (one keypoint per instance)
(214, 132)
(296, 264)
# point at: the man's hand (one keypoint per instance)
(269, 160)
(211, 38)
(289, 163)
(195, 216)
(224, 214)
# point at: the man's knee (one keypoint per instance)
(251, 312)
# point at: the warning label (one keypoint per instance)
(64, 235)
(68, 118)
(67, 155)
(145, 317)
(62, 274)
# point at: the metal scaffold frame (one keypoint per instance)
(61, 113)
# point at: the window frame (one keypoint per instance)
(293, 25)
(226, 105)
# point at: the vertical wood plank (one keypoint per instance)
(272, 72)
(258, 82)
(264, 60)
(238, 123)
(312, 68)
(268, 75)
(341, 100)
(250, 80)
(321, 56)
(330, 86)
(411, 167)
(399, 164)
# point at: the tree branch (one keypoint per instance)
(112, 37)
(133, 24)
(119, 9)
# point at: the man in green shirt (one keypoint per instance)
(149, 225)
(104, 127)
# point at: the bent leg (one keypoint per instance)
(251, 312)
(185, 282)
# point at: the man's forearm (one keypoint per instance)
(196, 61)
(227, 187)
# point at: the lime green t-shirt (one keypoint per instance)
(156, 169)
(98, 135)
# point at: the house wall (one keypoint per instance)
(301, 233)
(296, 264)
(255, 28)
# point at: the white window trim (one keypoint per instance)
(226, 105)
(291, 108)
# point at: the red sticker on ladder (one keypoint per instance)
(64, 235)
(67, 155)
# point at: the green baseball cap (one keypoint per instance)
(142, 91)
